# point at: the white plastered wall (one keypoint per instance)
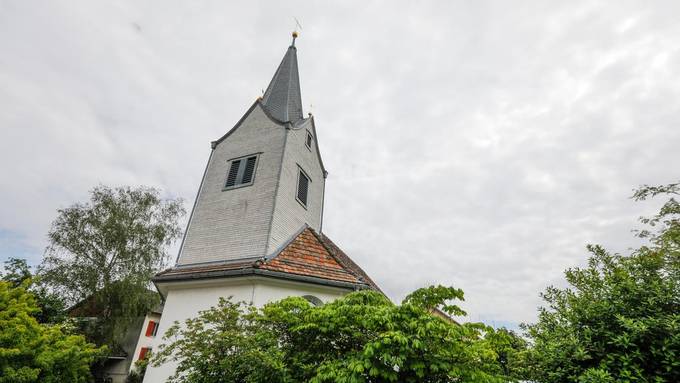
(185, 299)
(143, 340)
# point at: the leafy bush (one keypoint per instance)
(34, 352)
(361, 337)
(619, 319)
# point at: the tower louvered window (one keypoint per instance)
(241, 172)
(302, 188)
(308, 141)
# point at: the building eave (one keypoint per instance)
(257, 102)
(254, 271)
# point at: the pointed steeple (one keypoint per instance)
(282, 98)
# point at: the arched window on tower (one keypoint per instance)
(313, 300)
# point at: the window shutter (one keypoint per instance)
(241, 172)
(248, 172)
(150, 328)
(303, 185)
(143, 352)
(233, 172)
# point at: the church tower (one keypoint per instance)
(254, 233)
(264, 179)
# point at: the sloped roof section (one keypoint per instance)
(282, 99)
(92, 306)
(199, 271)
(347, 262)
(307, 257)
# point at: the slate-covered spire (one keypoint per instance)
(282, 98)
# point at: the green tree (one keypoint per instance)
(137, 373)
(34, 352)
(511, 349)
(619, 319)
(16, 272)
(361, 337)
(103, 254)
(52, 308)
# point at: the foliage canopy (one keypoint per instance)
(103, 254)
(361, 337)
(32, 352)
(51, 306)
(619, 319)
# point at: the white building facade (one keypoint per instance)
(255, 229)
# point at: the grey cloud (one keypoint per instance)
(476, 144)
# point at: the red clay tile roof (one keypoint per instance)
(307, 255)
(346, 261)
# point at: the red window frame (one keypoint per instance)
(143, 352)
(150, 328)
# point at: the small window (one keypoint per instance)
(314, 301)
(144, 352)
(241, 172)
(155, 328)
(151, 328)
(302, 188)
(308, 140)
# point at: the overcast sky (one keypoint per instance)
(475, 144)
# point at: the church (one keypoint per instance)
(255, 229)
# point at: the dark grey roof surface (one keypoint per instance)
(282, 98)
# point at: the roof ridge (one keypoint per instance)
(343, 266)
(344, 258)
(284, 245)
(332, 254)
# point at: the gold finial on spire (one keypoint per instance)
(295, 31)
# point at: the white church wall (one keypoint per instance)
(185, 299)
(228, 224)
(144, 341)
(289, 214)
